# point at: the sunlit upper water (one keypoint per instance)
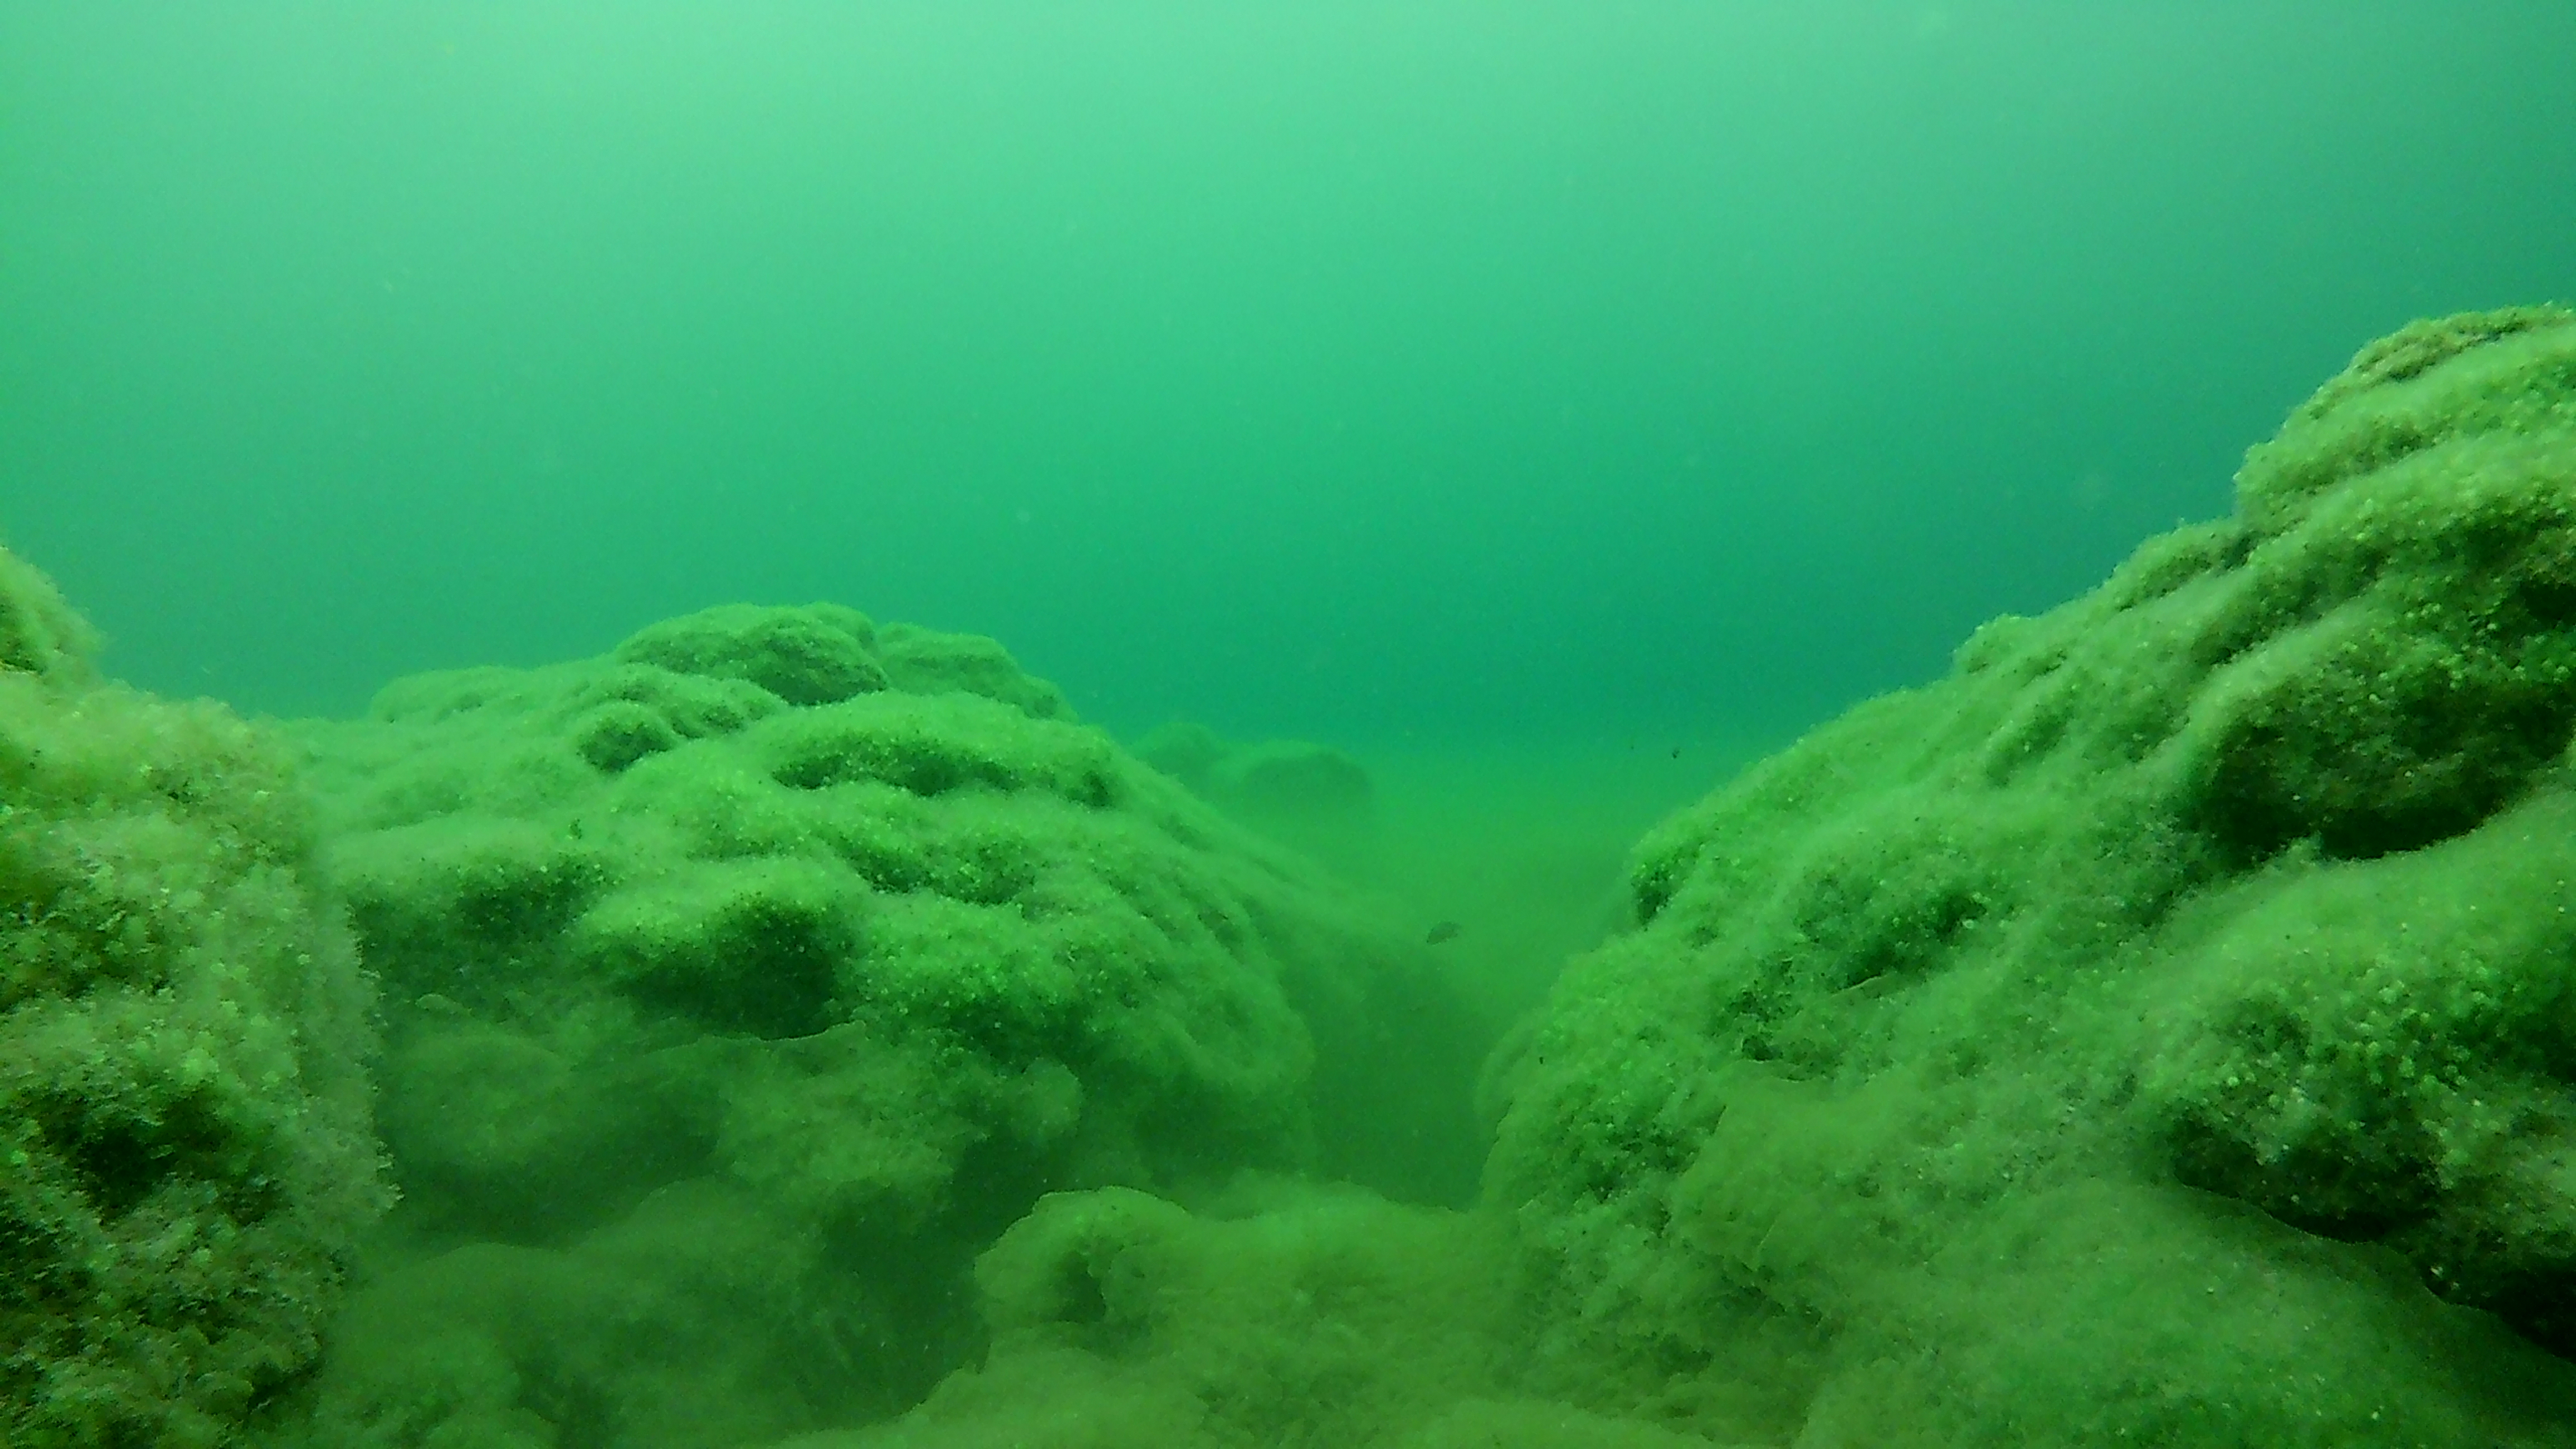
(1378, 372)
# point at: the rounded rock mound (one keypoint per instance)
(744, 983)
(2156, 1031)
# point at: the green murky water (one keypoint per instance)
(1486, 429)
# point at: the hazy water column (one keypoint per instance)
(1339, 369)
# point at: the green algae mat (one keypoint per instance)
(186, 1160)
(792, 1030)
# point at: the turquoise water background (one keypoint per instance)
(1469, 372)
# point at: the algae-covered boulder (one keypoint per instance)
(1311, 796)
(185, 1152)
(1287, 1316)
(1278, 1314)
(1119, 1318)
(814, 655)
(39, 633)
(850, 942)
(1288, 778)
(2162, 1029)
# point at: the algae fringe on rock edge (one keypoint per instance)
(186, 1158)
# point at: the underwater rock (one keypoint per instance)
(852, 937)
(930, 661)
(2158, 1030)
(814, 655)
(185, 1152)
(1291, 1316)
(1281, 1313)
(39, 633)
(1311, 797)
(1292, 779)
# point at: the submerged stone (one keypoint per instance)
(39, 633)
(2156, 1031)
(186, 1157)
(849, 941)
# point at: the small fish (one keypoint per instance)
(1445, 931)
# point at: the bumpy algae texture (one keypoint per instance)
(1284, 1316)
(2157, 1031)
(39, 632)
(185, 1152)
(742, 984)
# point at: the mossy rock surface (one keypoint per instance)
(39, 632)
(1285, 1316)
(855, 932)
(1280, 1314)
(2157, 1031)
(186, 1157)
